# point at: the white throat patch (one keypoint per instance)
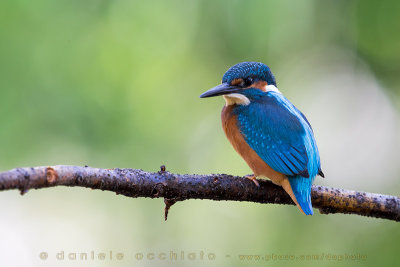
(238, 99)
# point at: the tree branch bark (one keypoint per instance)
(179, 187)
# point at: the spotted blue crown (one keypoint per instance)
(255, 70)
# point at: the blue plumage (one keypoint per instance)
(272, 127)
(301, 187)
(279, 133)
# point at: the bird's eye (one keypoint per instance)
(245, 82)
(248, 81)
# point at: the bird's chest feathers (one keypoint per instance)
(232, 132)
(229, 124)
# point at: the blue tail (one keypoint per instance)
(302, 190)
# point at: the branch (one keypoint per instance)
(179, 187)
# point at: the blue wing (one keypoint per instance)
(279, 133)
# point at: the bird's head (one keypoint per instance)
(242, 81)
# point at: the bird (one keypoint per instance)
(268, 131)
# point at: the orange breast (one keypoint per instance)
(259, 167)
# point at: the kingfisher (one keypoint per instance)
(268, 131)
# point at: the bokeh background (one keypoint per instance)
(116, 84)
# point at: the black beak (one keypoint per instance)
(222, 89)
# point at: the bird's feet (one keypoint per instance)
(252, 178)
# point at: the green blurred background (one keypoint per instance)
(116, 84)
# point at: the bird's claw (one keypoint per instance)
(253, 179)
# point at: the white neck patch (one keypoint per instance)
(271, 88)
(238, 99)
